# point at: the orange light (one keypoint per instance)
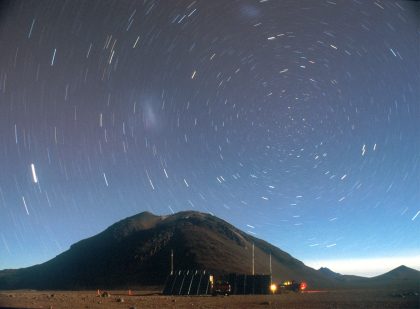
(303, 285)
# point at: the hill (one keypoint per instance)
(136, 251)
(401, 276)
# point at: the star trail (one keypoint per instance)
(296, 121)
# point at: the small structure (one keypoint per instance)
(248, 284)
(199, 282)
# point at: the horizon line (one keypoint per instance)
(366, 267)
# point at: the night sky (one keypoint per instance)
(296, 121)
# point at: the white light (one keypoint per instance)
(26, 206)
(106, 180)
(34, 177)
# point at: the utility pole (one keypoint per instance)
(271, 272)
(172, 262)
(253, 260)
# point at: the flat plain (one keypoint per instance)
(353, 298)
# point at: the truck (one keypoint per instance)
(293, 286)
(221, 287)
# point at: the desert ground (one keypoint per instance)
(152, 299)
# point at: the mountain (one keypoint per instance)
(341, 278)
(136, 251)
(400, 277)
(329, 273)
(400, 273)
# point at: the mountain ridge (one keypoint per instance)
(136, 251)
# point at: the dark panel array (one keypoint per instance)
(249, 284)
(187, 282)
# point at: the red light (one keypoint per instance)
(303, 285)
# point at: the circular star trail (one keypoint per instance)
(296, 121)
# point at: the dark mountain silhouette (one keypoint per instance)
(400, 277)
(136, 251)
(329, 273)
(402, 272)
(339, 277)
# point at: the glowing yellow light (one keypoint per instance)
(273, 287)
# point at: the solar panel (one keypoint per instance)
(187, 282)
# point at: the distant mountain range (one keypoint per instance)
(136, 252)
